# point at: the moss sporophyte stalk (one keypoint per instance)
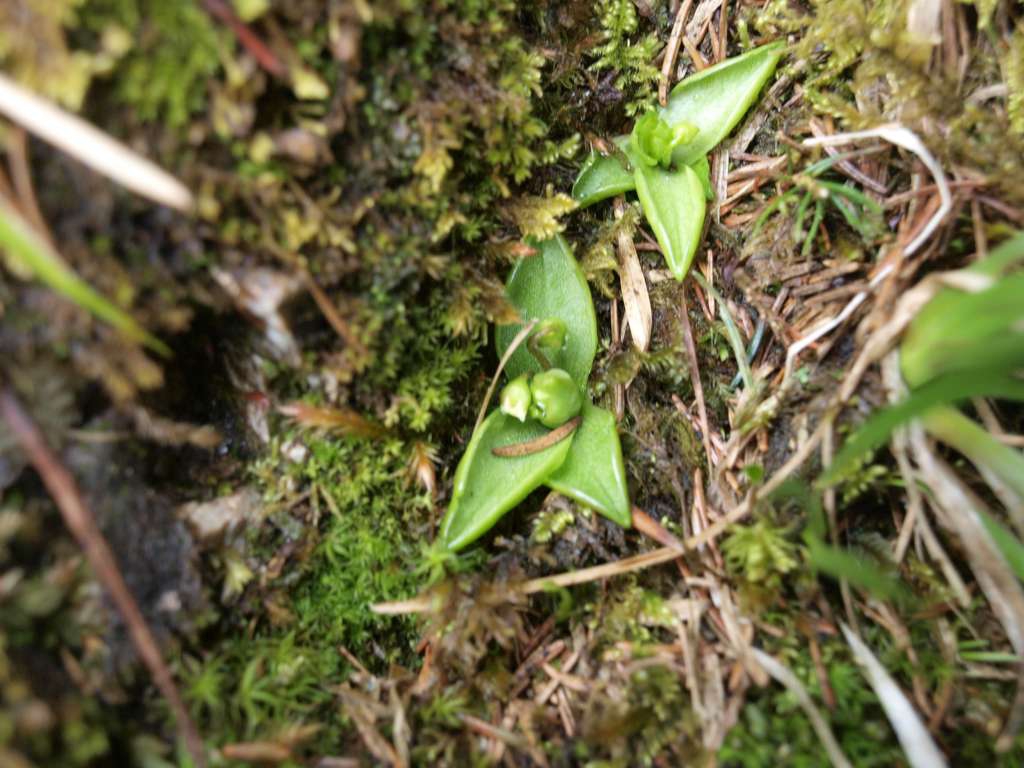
(546, 431)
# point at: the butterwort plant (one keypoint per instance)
(546, 431)
(665, 158)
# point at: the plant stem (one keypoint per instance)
(1000, 465)
(539, 356)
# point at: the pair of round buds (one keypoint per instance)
(551, 396)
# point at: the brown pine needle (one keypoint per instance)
(80, 521)
(672, 52)
(265, 57)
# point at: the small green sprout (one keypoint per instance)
(548, 339)
(667, 152)
(653, 140)
(810, 193)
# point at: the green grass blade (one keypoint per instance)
(859, 571)
(812, 231)
(1008, 544)
(33, 254)
(950, 388)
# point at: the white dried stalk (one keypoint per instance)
(91, 146)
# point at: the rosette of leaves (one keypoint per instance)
(665, 160)
(507, 458)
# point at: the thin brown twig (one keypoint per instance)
(259, 50)
(652, 529)
(672, 52)
(21, 176)
(82, 524)
(519, 339)
(333, 317)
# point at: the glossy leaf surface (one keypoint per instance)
(602, 176)
(551, 284)
(593, 474)
(674, 206)
(487, 486)
(716, 99)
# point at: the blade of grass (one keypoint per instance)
(812, 231)
(32, 253)
(731, 331)
(1008, 544)
(950, 388)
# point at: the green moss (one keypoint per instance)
(864, 67)
(627, 54)
(166, 74)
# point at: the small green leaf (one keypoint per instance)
(594, 474)
(716, 99)
(602, 176)
(673, 203)
(487, 486)
(551, 284)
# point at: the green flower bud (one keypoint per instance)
(653, 140)
(516, 397)
(550, 335)
(556, 398)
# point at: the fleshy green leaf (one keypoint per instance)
(673, 203)
(716, 99)
(487, 486)
(551, 284)
(603, 176)
(594, 474)
(958, 331)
